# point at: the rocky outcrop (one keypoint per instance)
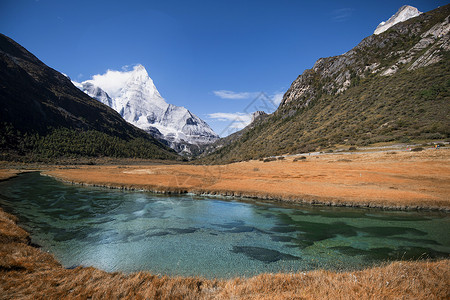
(412, 44)
(257, 114)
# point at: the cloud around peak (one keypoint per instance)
(113, 81)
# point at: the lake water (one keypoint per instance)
(212, 237)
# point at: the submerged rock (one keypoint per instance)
(263, 254)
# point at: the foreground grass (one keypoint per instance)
(413, 280)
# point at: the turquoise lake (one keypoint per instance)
(129, 231)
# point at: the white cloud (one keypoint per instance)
(342, 14)
(276, 98)
(224, 94)
(112, 81)
(127, 68)
(237, 120)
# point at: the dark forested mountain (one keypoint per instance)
(394, 86)
(42, 115)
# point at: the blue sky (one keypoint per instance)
(213, 57)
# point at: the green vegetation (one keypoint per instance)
(72, 143)
(410, 105)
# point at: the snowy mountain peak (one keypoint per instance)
(141, 81)
(139, 74)
(140, 68)
(404, 13)
(135, 97)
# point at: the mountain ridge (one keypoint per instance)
(43, 111)
(390, 87)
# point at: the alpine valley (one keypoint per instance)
(135, 97)
(107, 191)
(394, 86)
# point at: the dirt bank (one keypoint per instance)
(27, 272)
(401, 180)
(7, 173)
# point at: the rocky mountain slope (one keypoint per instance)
(43, 115)
(138, 101)
(393, 86)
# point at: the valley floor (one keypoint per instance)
(400, 180)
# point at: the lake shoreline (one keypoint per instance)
(28, 272)
(391, 181)
(267, 197)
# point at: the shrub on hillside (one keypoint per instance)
(299, 158)
(269, 159)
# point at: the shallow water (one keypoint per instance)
(212, 237)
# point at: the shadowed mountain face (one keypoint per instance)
(37, 100)
(393, 86)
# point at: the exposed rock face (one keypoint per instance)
(415, 46)
(257, 114)
(404, 13)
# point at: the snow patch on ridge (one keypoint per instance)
(404, 13)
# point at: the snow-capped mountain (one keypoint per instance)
(404, 13)
(95, 92)
(135, 97)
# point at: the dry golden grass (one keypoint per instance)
(27, 272)
(402, 179)
(7, 173)
(400, 280)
